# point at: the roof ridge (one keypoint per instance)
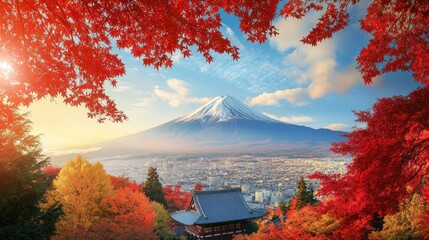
(245, 204)
(217, 206)
(200, 208)
(217, 191)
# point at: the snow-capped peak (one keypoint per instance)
(224, 108)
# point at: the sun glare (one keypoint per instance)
(5, 69)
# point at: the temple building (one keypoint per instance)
(216, 214)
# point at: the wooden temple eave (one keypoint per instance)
(216, 230)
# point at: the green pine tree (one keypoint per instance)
(305, 194)
(153, 188)
(22, 181)
(310, 195)
(284, 207)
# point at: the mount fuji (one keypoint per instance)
(224, 125)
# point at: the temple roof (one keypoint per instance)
(216, 206)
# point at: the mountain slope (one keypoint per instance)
(224, 125)
(224, 109)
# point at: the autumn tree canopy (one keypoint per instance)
(80, 187)
(301, 224)
(64, 49)
(162, 222)
(390, 159)
(126, 214)
(405, 224)
(176, 199)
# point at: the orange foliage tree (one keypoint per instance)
(123, 182)
(64, 49)
(301, 224)
(126, 214)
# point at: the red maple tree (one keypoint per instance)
(51, 170)
(64, 48)
(176, 199)
(127, 214)
(124, 182)
(389, 154)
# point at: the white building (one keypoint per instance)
(259, 197)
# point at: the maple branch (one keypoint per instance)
(88, 9)
(347, 5)
(184, 22)
(408, 29)
(420, 166)
(396, 20)
(63, 20)
(42, 19)
(23, 28)
(414, 151)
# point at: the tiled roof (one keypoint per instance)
(217, 206)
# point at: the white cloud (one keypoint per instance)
(320, 73)
(232, 37)
(255, 71)
(144, 102)
(295, 95)
(337, 126)
(204, 68)
(290, 33)
(291, 119)
(343, 81)
(178, 94)
(327, 80)
(177, 55)
(122, 88)
(229, 31)
(318, 63)
(175, 97)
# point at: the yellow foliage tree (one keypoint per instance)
(311, 221)
(404, 224)
(79, 188)
(162, 219)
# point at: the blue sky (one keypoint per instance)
(283, 78)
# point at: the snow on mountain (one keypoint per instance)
(224, 125)
(222, 109)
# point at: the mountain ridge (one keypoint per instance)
(224, 125)
(224, 108)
